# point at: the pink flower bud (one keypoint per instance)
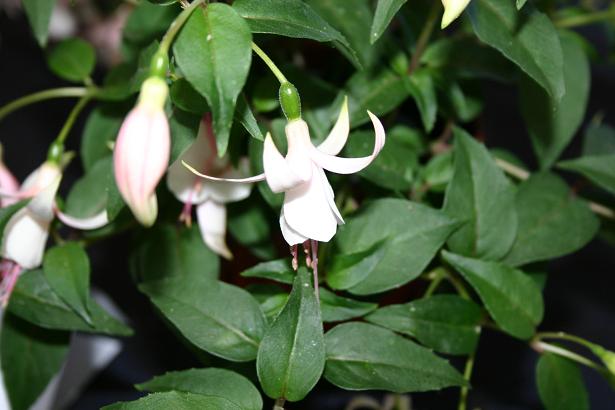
(8, 183)
(142, 151)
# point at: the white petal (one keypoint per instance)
(256, 178)
(452, 10)
(291, 236)
(211, 217)
(351, 165)
(307, 210)
(280, 175)
(330, 196)
(43, 203)
(338, 136)
(24, 238)
(94, 222)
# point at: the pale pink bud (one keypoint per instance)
(142, 151)
(8, 183)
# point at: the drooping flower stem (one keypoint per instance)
(42, 96)
(585, 19)
(467, 375)
(56, 149)
(274, 69)
(542, 347)
(174, 28)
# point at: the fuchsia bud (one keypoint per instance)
(8, 183)
(142, 151)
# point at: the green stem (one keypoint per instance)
(585, 19)
(436, 276)
(459, 286)
(42, 96)
(177, 24)
(72, 117)
(274, 69)
(467, 375)
(542, 347)
(423, 40)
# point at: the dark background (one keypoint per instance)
(578, 296)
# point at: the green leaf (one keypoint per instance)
(291, 356)
(336, 308)
(560, 384)
(361, 356)
(30, 358)
(421, 87)
(101, 128)
(352, 19)
(438, 172)
(176, 401)
(39, 15)
(278, 270)
(248, 224)
(184, 128)
(35, 301)
(214, 52)
(291, 18)
(169, 251)
(208, 382)
(67, 269)
(481, 195)
(188, 99)
(379, 238)
(245, 116)
(146, 23)
(86, 198)
(600, 169)
(199, 308)
(553, 123)
(446, 323)
(512, 298)
(385, 11)
(379, 93)
(599, 140)
(394, 167)
(552, 222)
(527, 38)
(72, 59)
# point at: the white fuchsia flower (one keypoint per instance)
(452, 10)
(309, 210)
(209, 197)
(25, 234)
(142, 150)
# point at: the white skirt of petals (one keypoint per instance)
(309, 211)
(25, 238)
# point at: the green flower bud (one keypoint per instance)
(290, 101)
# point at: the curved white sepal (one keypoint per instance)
(338, 136)
(351, 165)
(211, 217)
(94, 222)
(291, 236)
(278, 172)
(42, 205)
(249, 180)
(452, 10)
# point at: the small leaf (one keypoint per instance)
(512, 298)
(278, 270)
(101, 129)
(373, 246)
(446, 323)
(481, 195)
(39, 15)
(385, 11)
(560, 384)
(208, 382)
(291, 356)
(72, 59)
(176, 401)
(553, 123)
(187, 98)
(199, 309)
(527, 38)
(86, 198)
(245, 116)
(35, 301)
(600, 169)
(421, 87)
(367, 357)
(552, 222)
(599, 140)
(248, 224)
(30, 358)
(336, 308)
(213, 50)
(67, 269)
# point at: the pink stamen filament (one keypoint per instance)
(9, 271)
